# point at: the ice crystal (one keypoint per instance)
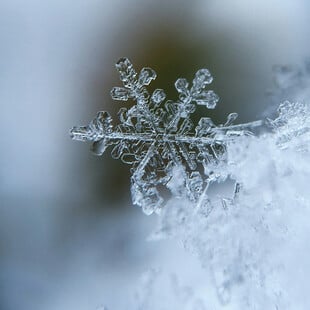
(256, 252)
(293, 121)
(157, 137)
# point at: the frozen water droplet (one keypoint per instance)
(120, 93)
(146, 76)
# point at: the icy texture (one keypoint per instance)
(155, 136)
(252, 238)
(256, 251)
(293, 122)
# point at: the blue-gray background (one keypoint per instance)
(69, 237)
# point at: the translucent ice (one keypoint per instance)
(155, 136)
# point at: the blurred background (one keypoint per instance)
(69, 235)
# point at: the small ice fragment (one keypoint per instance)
(208, 98)
(120, 93)
(146, 76)
(181, 86)
(158, 96)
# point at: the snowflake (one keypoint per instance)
(160, 141)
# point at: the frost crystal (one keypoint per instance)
(159, 140)
(293, 122)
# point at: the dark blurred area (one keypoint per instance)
(69, 236)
